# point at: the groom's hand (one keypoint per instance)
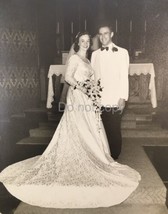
(121, 104)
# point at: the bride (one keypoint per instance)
(76, 169)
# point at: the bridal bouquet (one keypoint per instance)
(93, 91)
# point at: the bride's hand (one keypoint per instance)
(81, 88)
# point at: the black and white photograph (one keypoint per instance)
(83, 107)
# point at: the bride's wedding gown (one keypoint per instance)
(76, 170)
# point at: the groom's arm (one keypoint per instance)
(93, 60)
(124, 83)
(94, 64)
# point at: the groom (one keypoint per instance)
(111, 64)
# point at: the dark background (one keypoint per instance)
(29, 42)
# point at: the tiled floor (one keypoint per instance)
(7, 202)
(159, 158)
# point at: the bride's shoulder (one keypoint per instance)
(74, 57)
(73, 60)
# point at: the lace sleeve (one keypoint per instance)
(70, 71)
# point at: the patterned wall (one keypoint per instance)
(156, 46)
(19, 77)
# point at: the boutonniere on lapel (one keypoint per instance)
(114, 49)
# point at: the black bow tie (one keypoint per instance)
(104, 48)
(114, 49)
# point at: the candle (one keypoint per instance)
(57, 31)
(116, 26)
(85, 24)
(130, 26)
(145, 26)
(71, 27)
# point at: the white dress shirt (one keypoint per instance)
(112, 68)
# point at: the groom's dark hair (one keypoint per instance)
(105, 25)
(76, 46)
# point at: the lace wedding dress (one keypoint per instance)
(75, 170)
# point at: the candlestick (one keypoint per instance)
(145, 26)
(85, 24)
(116, 26)
(130, 26)
(71, 27)
(57, 31)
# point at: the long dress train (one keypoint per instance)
(76, 169)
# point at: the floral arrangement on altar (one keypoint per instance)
(93, 91)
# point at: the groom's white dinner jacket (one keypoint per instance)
(111, 67)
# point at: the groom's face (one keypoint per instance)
(105, 35)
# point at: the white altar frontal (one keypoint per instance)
(134, 69)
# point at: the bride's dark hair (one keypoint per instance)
(76, 43)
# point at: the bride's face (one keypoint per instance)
(84, 42)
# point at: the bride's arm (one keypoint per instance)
(70, 72)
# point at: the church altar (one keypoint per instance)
(134, 69)
(146, 68)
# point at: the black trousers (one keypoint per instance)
(112, 123)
